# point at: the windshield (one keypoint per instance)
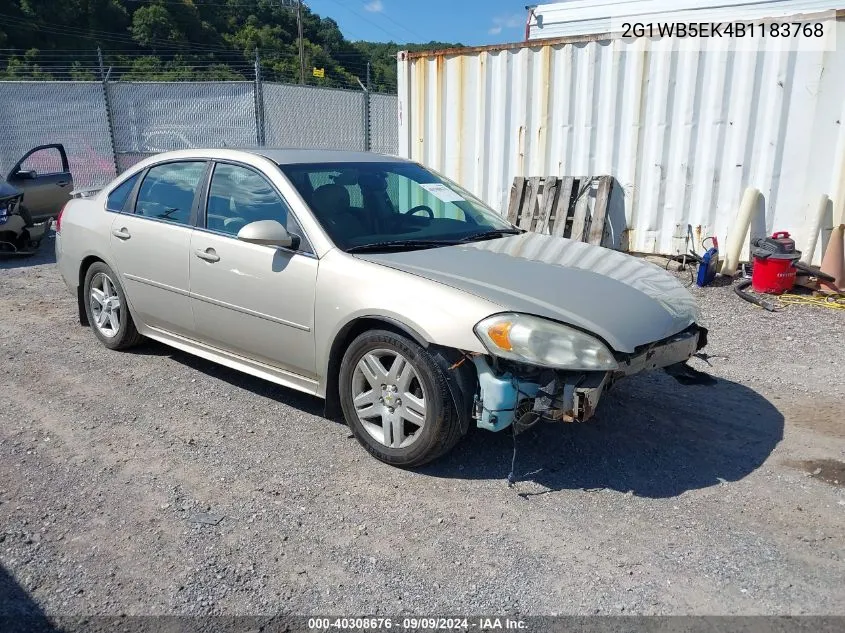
(369, 205)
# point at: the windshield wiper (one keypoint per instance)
(411, 244)
(487, 235)
(396, 245)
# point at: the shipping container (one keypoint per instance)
(683, 128)
(588, 17)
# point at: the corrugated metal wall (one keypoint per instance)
(683, 132)
(581, 17)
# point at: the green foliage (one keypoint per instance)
(26, 67)
(169, 40)
(382, 57)
(79, 73)
(153, 25)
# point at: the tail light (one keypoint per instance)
(59, 219)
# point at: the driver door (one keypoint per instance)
(251, 300)
(43, 175)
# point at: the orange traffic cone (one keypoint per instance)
(833, 262)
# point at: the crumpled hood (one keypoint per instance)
(7, 190)
(624, 300)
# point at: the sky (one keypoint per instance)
(469, 22)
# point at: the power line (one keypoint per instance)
(138, 63)
(199, 3)
(361, 16)
(98, 36)
(343, 73)
(353, 63)
(90, 34)
(401, 26)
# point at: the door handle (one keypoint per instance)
(208, 255)
(63, 183)
(121, 234)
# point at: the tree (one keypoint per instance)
(186, 39)
(153, 25)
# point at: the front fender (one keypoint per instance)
(350, 289)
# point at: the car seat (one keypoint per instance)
(332, 207)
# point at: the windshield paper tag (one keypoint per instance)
(442, 192)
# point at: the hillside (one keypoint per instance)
(186, 40)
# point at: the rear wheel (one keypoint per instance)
(107, 309)
(396, 400)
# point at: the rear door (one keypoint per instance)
(151, 239)
(43, 175)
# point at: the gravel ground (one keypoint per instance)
(152, 482)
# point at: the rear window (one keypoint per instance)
(118, 197)
(168, 190)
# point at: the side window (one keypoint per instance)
(167, 192)
(44, 161)
(238, 196)
(117, 198)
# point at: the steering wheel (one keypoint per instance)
(420, 207)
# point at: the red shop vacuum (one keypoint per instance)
(775, 260)
(776, 265)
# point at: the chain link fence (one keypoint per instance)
(305, 116)
(36, 113)
(158, 117)
(384, 123)
(107, 127)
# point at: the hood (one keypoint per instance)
(7, 190)
(624, 300)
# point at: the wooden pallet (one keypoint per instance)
(573, 207)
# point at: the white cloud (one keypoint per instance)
(503, 22)
(374, 6)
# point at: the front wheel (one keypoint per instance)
(396, 400)
(107, 309)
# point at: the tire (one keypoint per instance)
(412, 438)
(109, 314)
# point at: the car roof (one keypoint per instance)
(298, 156)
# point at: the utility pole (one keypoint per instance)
(301, 43)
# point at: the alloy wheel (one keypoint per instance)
(105, 305)
(389, 398)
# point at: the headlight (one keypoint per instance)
(536, 341)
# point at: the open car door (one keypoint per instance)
(43, 175)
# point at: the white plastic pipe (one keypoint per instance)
(837, 188)
(815, 227)
(737, 233)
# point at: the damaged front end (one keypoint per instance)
(520, 395)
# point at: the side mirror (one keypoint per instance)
(25, 174)
(268, 233)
